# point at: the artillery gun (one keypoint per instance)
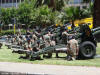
(85, 37)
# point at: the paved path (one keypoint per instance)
(48, 69)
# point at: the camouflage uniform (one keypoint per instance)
(52, 43)
(73, 48)
(64, 37)
(34, 37)
(47, 40)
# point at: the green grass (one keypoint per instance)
(6, 55)
(11, 31)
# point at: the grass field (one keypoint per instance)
(6, 55)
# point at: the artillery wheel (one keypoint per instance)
(87, 50)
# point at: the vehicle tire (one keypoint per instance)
(87, 50)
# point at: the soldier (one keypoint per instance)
(27, 46)
(20, 40)
(73, 49)
(28, 32)
(47, 40)
(65, 36)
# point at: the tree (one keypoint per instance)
(43, 16)
(96, 17)
(55, 4)
(59, 4)
(24, 13)
(72, 13)
(6, 15)
(96, 13)
(85, 13)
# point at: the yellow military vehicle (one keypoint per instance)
(88, 21)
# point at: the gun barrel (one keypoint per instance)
(96, 32)
(95, 29)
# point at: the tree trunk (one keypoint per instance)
(96, 13)
(96, 16)
(52, 4)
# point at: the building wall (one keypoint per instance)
(75, 1)
(78, 3)
(9, 3)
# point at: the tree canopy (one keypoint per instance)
(44, 13)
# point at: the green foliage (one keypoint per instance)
(11, 32)
(24, 12)
(41, 12)
(59, 4)
(72, 13)
(91, 8)
(5, 16)
(55, 4)
(43, 16)
(7, 32)
(59, 19)
(88, 12)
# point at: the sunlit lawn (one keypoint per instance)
(6, 55)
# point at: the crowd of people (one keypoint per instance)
(34, 42)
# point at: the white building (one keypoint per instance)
(78, 3)
(9, 3)
(75, 1)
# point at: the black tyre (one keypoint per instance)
(87, 50)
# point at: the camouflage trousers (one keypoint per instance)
(71, 54)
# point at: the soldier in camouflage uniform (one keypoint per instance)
(65, 36)
(47, 40)
(27, 45)
(72, 48)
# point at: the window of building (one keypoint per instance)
(10, 1)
